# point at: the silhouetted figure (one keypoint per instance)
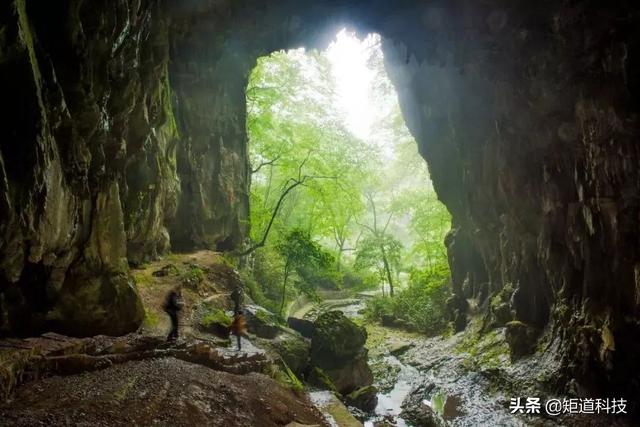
(172, 306)
(236, 297)
(238, 326)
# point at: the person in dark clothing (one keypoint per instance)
(237, 297)
(172, 306)
(239, 326)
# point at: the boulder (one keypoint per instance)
(521, 338)
(215, 321)
(303, 326)
(165, 271)
(337, 348)
(364, 398)
(336, 338)
(292, 348)
(261, 322)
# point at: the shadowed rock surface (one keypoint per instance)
(165, 392)
(126, 136)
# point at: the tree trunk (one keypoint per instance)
(387, 269)
(284, 287)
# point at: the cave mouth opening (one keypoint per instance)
(336, 174)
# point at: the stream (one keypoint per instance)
(432, 375)
(406, 377)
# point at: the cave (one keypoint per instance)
(124, 137)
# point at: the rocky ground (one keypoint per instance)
(465, 379)
(163, 392)
(139, 379)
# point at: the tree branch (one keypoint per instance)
(262, 164)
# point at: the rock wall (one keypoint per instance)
(527, 117)
(87, 161)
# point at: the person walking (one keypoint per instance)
(172, 306)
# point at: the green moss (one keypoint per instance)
(341, 415)
(216, 316)
(285, 377)
(319, 378)
(485, 351)
(151, 319)
(143, 278)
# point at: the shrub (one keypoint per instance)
(421, 306)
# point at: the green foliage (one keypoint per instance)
(373, 250)
(312, 187)
(421, 306)
(264, 280)
(215, 316)
(298, 249)
(192, 275)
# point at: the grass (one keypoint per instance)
(193, 274)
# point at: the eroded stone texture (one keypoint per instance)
(526, 113)
(88, 172)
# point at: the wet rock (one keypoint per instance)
(337, 348)
(397, 349)
(216, 322)
(417, 410)
(457, 308)
(303, 326)
(388, 320)
(364, 398)
(261, 322)
(521, 338)
(500, 307)
(292, 348)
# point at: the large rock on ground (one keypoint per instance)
(521, 338)
(261, 322)
(364, 398)
(291, 347)
(303, 326)
(337, 348)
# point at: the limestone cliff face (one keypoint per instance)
(527, 117)
(87, 161)
(125, 136)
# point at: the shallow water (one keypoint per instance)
(390, 404)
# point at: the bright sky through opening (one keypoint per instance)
(348, 57)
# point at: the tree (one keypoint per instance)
(379, 249)
(299, 250)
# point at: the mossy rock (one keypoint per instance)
(216, 322)
(500, 307)
(335, 339)
(292, 348)
(364, 398)
(318, 378)
(261, 322)
(337, 348)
